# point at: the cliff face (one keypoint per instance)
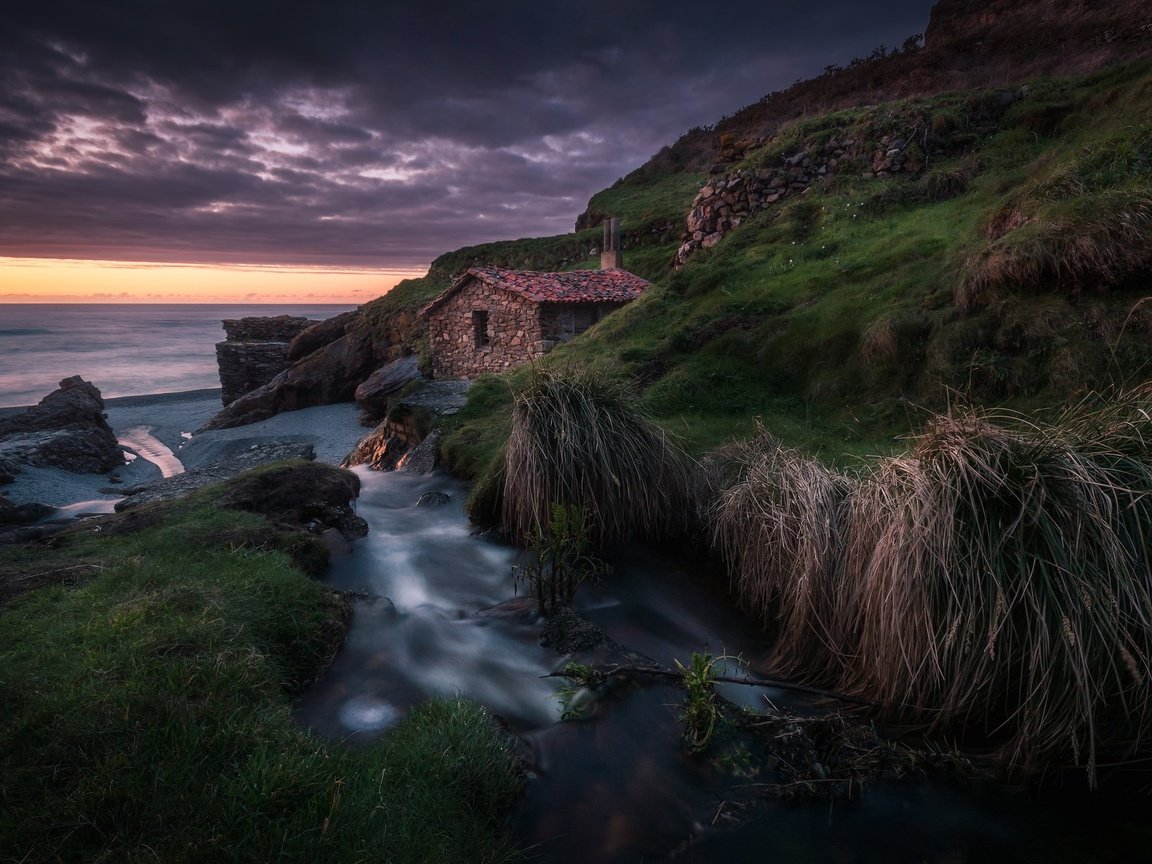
(1088, 33)
(968, 44)
(255, 352)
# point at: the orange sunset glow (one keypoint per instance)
(43, 280)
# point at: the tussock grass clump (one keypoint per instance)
(579, 438)
(947, 182)
(995, 580)
(999, 578)
(779, 524)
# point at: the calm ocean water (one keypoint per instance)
(125, 350)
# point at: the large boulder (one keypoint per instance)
(67, 430)
(375, 392)
(314, 496)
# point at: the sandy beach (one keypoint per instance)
(168, 422)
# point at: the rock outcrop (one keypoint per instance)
(384, 447)
(324, 377)
(251, 456)
(379, 388)
(21, 514)
(314, 496)
(320, 334)
(255, 352)
(730, 198)
(1026, 38)
(66, 430)
(399, 442)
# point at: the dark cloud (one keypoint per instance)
(297, 132)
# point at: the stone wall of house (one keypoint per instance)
(560, 322)
(514, 335)
(255, 352)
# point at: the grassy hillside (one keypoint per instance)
(1009, 270)
(147, 710)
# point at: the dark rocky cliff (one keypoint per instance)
(968, 44)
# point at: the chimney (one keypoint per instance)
(612, 258)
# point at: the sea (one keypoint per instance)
(124, 349)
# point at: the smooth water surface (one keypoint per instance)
(124, 349)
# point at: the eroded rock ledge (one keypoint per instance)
(66, 429)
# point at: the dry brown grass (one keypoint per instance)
(779, 524)
(995, 580)
(1100, 244)
(578, 438)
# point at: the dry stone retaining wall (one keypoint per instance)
(729, 199)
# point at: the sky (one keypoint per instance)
(273, 149)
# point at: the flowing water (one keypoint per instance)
(438, 615)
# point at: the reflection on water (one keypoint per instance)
(97, 507)
(440, 616)
(141, 441)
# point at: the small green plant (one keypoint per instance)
(574, 701)
(700, 710)
(562, 560)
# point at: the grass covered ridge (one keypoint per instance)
(147, 717)
(1004, 272)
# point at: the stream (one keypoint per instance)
(437, 613)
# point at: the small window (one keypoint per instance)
(480, 329)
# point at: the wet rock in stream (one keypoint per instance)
(566, 632)
(433, 499)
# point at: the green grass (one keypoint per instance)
(643, 198)
(147, 717)
(840, 317)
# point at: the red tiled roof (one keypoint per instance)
(576, 286)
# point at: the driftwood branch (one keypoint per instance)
(655, 671)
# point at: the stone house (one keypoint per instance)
(492, 320)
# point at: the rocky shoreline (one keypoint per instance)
(35, 488)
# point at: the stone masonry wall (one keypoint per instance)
(771, 175)
(255, 352)
(278, 328)
(514, 335)
(729, 199)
